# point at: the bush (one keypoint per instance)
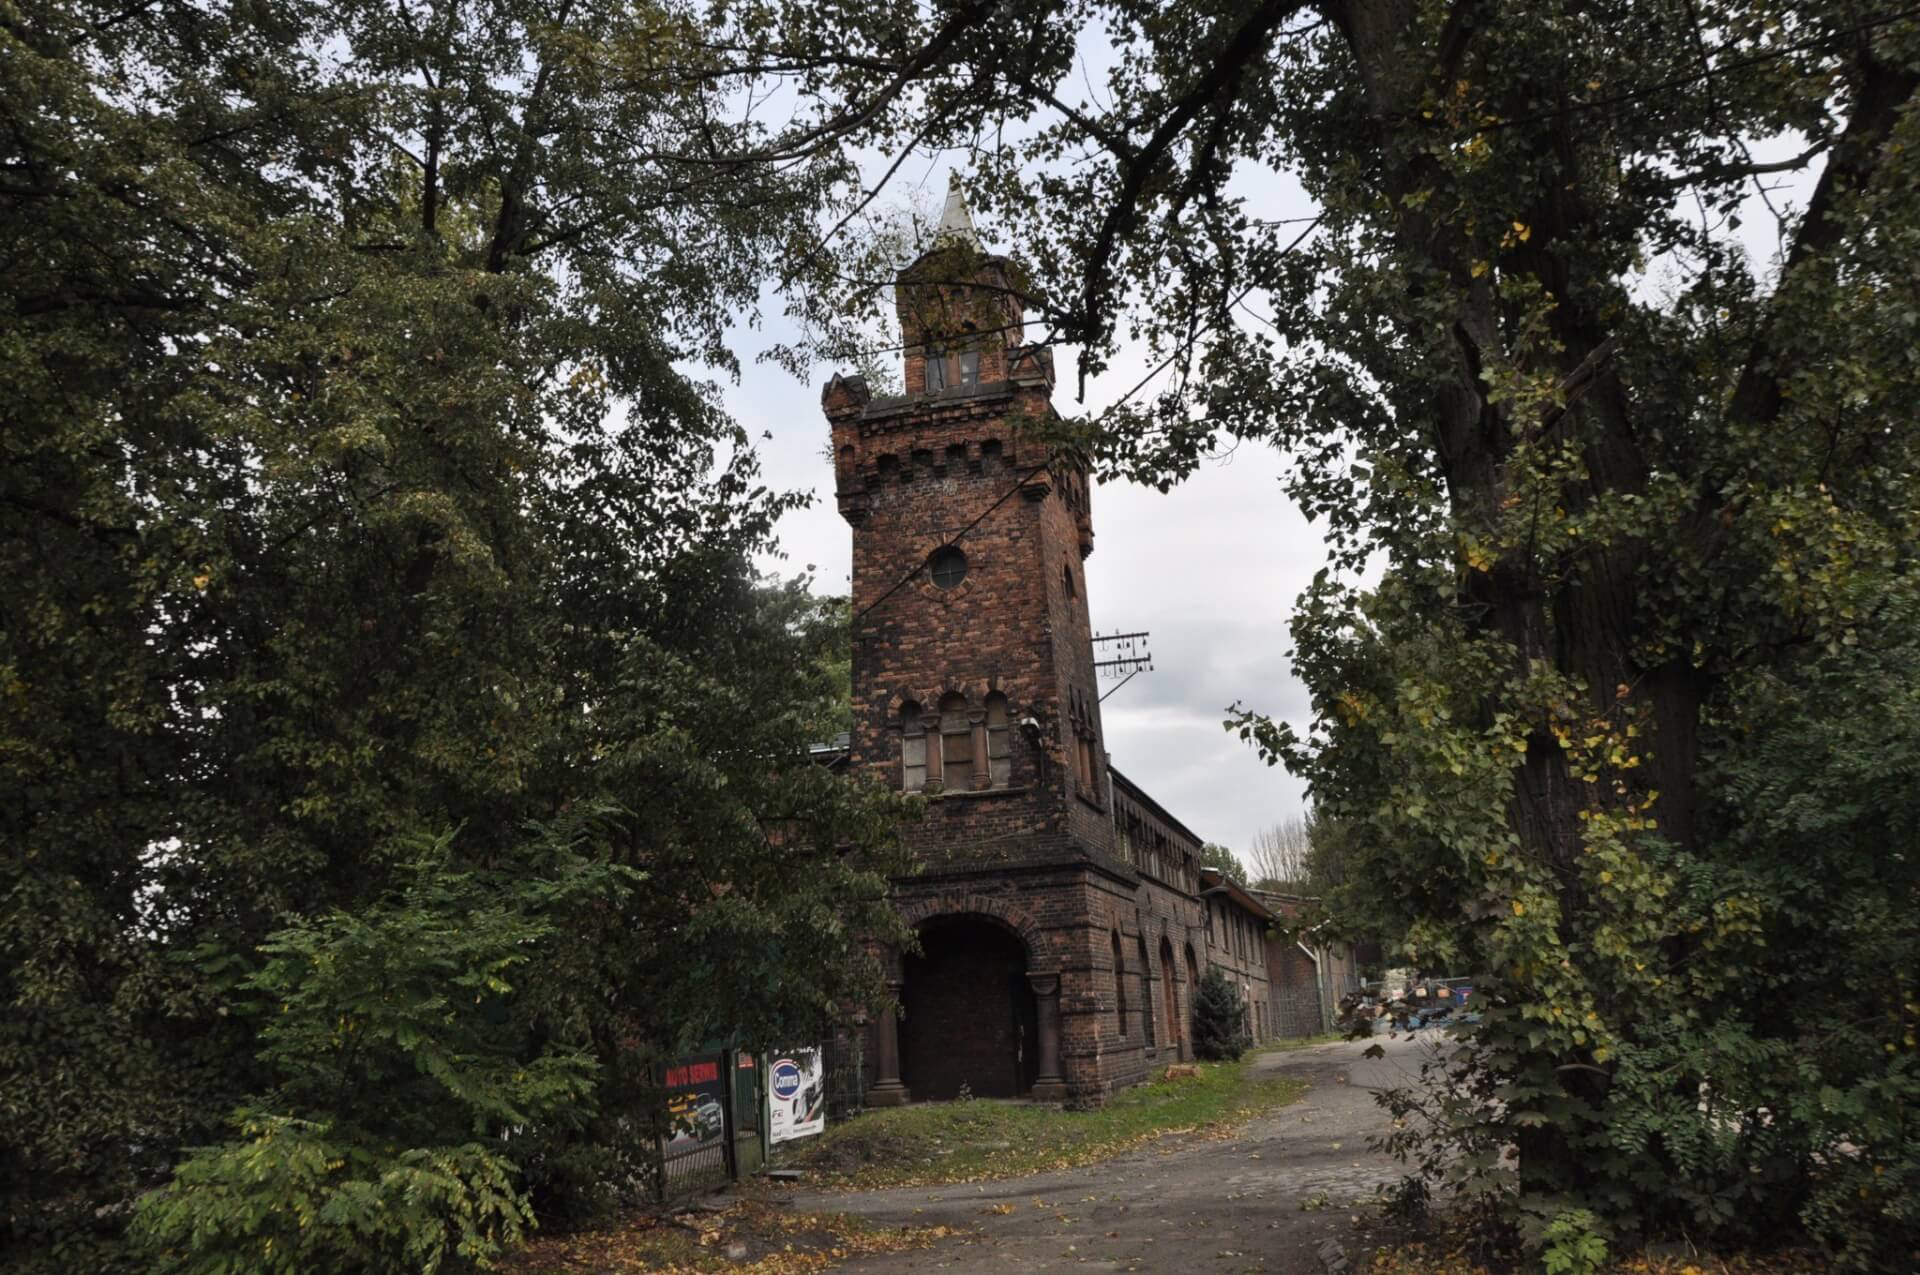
(405, 1076)
(1219, 1018)
(295, 1196)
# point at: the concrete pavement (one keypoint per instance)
(1259, 1200)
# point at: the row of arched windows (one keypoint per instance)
(1169, 1001)
(959, 746)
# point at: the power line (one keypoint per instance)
(902, 582)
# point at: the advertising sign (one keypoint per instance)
(797, 1093)
(695, 1112)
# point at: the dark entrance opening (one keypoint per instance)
(970, 1014)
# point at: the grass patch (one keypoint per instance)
(934, 1143)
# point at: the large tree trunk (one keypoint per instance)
(1579, 624)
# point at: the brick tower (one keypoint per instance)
(973, 684)
(973, 674)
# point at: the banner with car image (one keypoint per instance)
(797, 1095)
(696, 1104)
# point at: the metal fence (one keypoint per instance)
(1297, 1012)
(691, 1172)
(844, 1062)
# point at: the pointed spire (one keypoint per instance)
(956, 223)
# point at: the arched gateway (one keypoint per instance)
(970, 1023)
(973, 1014)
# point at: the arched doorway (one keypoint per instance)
(1175, 1036)
(971, 1017)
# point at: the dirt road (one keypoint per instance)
(1259, 1201)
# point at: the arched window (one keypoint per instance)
(1119, 987)
(1170, 1000)
(913, 748)
(1086, 751)
(999, 746)
(1193, 988)
(1146, 997)
(956, 742)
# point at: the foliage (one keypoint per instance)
(1571, 1245)
(391, 1029)
(1225, 862)
(291, 1197)
(1625, 724)
(826, 626)
(1219, 1017)
(355, 494)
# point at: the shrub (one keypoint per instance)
(1219, 1018)
(405, 1075)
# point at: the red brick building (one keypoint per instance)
(1306, 974)
(1060, 911)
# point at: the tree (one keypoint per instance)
(1621, 517)
(1225, 862)
(395, 745)
(1282, 853)
(1219, 1018)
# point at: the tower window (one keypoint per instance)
(913, 748)
(948, 566)
(936, 369)
(956, 741)
(966, 369)
(999, 750)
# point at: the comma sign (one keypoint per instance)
(797, 1088)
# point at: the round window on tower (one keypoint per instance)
(947, 565)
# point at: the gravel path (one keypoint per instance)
(1181, 1206)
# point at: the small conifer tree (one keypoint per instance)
(1219, 1018)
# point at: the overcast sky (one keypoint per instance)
(1211, 569)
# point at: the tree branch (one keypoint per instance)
(1882, 93)
(1740, 172)
(1246, 45)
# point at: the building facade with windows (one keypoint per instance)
(1062, 916)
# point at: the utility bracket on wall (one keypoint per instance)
(1127, 657)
